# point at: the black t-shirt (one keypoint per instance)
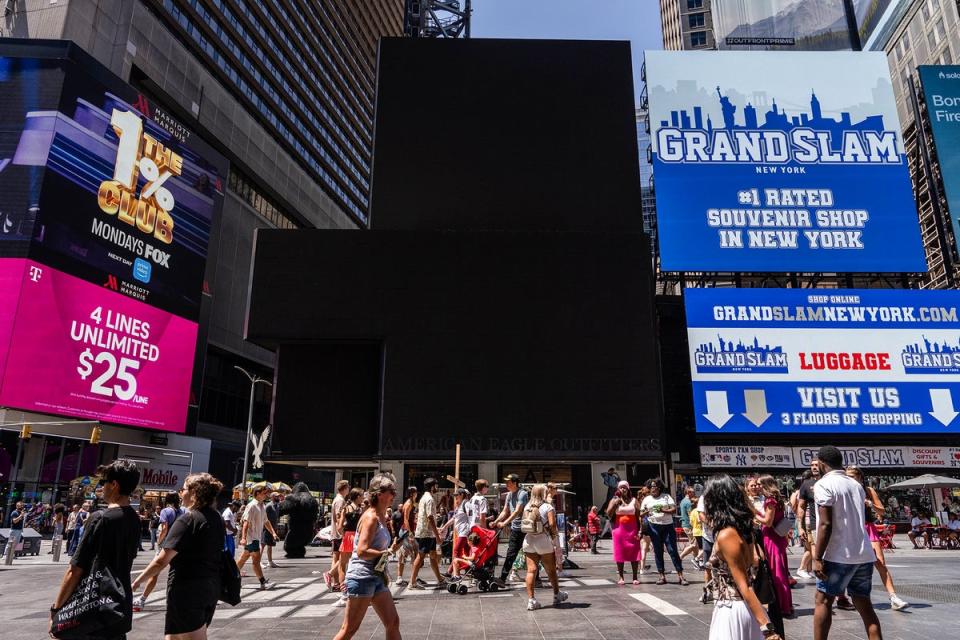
(112, 536)
(273, 513)
(197, 537)
(806, 494)
(13, 523)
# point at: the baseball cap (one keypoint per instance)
(512, 477)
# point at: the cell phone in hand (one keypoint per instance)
(382, 562)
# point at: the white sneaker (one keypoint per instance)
(138, 603)
(896, 603)
(532, 604)
(401, 582)
(560, 596)
(803, 575)
(513, 577)
(342, 602)
(642, 572)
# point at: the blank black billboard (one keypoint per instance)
(327, 397)
(505, 134)
(518, 345)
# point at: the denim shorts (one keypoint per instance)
(855, 579)
(365, 587)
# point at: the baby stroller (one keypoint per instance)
(483, 566)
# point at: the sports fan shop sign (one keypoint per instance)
(748, 456)
(824, 361)
(743, 457)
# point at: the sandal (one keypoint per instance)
(620, 582)
(683, 582)
(661, 580)
(635, 582)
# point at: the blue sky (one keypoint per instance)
(634, 20)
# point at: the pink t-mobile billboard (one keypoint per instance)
(82, 350)
(107, 204)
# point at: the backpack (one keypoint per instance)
(531, 522)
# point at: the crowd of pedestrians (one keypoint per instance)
(736, 535)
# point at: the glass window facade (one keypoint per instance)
(262, 204)
(295, 70)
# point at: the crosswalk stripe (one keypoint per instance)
(302, 580)
(419, 592)
(313, 611)
(309, 593)
(269, 612)
(266, 596)
(596, 582)
(225, 612)
(657, 604)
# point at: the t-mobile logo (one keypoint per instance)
(35, 273)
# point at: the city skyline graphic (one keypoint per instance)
(932, 347)
(775, 118)
(727, 346)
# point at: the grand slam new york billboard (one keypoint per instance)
(849, 361)
(780, 162)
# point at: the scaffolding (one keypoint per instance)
(436, 19)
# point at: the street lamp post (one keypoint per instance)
(254, 379)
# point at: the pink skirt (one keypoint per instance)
(872, 533)
(626, 546)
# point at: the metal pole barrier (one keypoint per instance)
(57, 544)
(10, 551)
(246, 445)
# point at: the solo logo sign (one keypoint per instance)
(140, 154)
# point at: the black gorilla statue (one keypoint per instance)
(303, 509)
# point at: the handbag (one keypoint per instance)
(96, 608)
(763, 582)
(229, 579)
(782, 527)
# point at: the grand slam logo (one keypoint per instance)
(806, 138)
(929, 356)
(730, 357)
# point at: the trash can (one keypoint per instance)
(29, 542)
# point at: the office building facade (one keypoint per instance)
(647, 197)
(922, 32)
(285, 91)
(686, 24)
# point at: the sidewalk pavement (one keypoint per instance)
(299, 605)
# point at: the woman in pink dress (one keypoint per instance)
(774, 544)
(623, 512)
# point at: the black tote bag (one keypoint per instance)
(763, 582)
(765, 591)
(96, 607)
(229, 579)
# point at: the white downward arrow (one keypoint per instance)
(718, 411)
(942, 402)
(756, 401)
